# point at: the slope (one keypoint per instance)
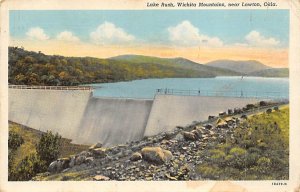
(244, 67)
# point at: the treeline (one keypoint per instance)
(36, 68)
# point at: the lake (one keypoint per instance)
(220, 86)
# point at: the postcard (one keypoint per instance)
(150, 95)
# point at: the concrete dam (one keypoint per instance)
(77, 115)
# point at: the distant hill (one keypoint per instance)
(274, 72)
(244, 67)
(36, 68)
(178, 62)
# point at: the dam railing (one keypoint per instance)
(243, 94)
(90, 88)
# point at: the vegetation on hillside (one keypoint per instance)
(278, 72)
(259, 150)
(32, 68)
(31, 151)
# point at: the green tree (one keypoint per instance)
(48, 147)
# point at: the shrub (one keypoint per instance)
(48, 147)
(28, 167)
(14, 140)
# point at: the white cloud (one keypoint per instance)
(108, 33)
(67, 36)
(186, 34)
(255, 39)
(37, 33)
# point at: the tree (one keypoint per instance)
(48, 147)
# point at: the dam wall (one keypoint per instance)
(77, 115)
(114, 121)
(169, 111)
(56, 110)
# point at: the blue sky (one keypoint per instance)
(231, 26)
(198, 35)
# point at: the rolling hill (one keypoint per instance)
(36, 68)
(244, 67)
(273, 72)
(178, 62)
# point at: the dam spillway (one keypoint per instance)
(77, 115)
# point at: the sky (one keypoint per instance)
(199, 35)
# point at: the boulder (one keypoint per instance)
(179, 137)
(250, 106)
(100, 178)
(230, 112)
(156, 155)
(89, 160)
(59, 165)
(197, 133)
(262, 103)
(223, 113)
(211, 117)
(72, 161)
(208, 126)
(55, 166)
(268, 111)
(79, 159)
(97, 145)
(189, 136)
(136, 156)
(99, 152)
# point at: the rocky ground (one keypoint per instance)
(168, 156)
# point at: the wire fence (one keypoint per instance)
(89, 88)
(243, 94)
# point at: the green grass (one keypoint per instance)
(31, 138)
(259, 150)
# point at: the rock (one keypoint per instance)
(179, 137)
(100, 178)
(136, 156)
(223, 113)
(276, 108)
(250, 106)
(156, 155)
(97, 145)
(208, 126)
(244, 116)
(230, 112)
(55, 166)
(59, 165)
(79, 159)
(99, 152)
(85, 153)
(269, 111)
(211, 117)
(72, 161)
(197, 133)
(189, 136)
(89, 160)
(262, 103)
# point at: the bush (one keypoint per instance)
(14, 140)
(28, 167)
(48, 147)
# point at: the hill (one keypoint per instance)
(178, 62)
(274, 72)
(36, 68)
(244, 67)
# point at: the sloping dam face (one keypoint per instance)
(85, 119)
(169, 111)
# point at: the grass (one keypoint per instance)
(31, 138)
(258, 150)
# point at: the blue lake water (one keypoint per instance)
(219, 86)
